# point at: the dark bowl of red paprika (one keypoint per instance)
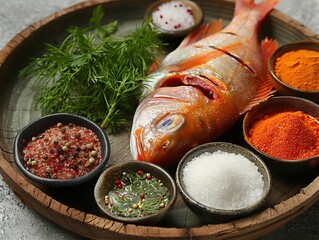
(61, 150)
(294, 69)
(284, 131)
(135, 192)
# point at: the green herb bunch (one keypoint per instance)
(95, 72)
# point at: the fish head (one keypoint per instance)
(153, 143)
(162, 129)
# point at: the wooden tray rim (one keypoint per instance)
(257, 225)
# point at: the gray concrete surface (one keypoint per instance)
(19, 222)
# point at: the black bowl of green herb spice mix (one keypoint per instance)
(135, 192)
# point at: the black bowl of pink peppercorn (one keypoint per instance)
(61, 150)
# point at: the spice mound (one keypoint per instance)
(64, 151)
(299, 69)
(173, 16)
(289, 135)
(223, 180)
(137, 194)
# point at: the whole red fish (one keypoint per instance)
(203, 86)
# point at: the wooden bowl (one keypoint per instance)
(39, 126)
(106, 182)
(171, 34)
(284, 88)
(279, 104)
(82, 216)
(213, 214)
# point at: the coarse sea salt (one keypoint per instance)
(223, 180)
(173, 16)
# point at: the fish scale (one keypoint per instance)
(202, 87)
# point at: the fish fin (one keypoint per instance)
(201, 32)
(265, 90)
(154, 66)
(201, 59)
(263, 8)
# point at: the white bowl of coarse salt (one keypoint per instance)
(174, 17)
(221, 181)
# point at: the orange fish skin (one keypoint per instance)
(201, 89)
(183, 103)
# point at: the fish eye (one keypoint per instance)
(170, 123)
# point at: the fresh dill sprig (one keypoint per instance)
(94, 72)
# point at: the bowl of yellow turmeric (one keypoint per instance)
(294, 69)
(284, 132)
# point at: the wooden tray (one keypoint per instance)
(74, 208)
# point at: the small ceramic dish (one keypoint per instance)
(117, 180)
(51, 148)
(277, 105)
(177, 29)
(230, 177)
(284, 88)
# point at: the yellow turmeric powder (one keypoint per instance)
(299, 69)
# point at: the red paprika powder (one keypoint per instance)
(286, 135)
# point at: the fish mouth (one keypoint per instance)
(137, 145)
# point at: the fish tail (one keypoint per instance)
(262, 8)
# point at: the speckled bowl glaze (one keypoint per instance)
(283, 88)
(197, 13)
(106, 182)
(214, 215)
(278, 104)
(40, 125)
